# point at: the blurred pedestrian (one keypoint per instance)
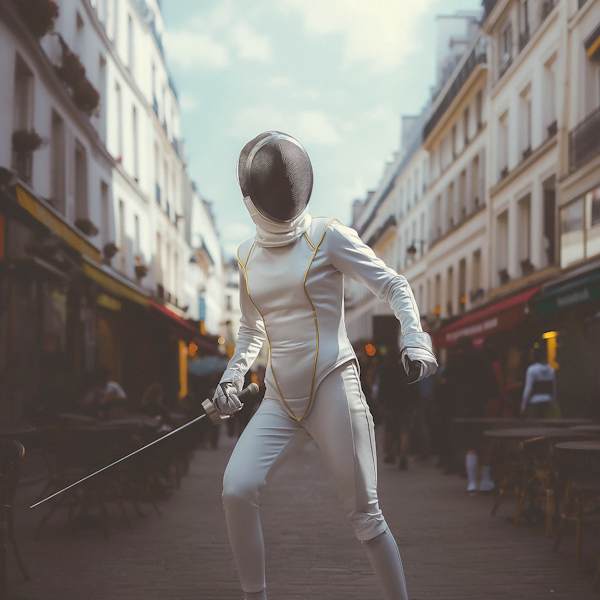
(104, 395)
(471, 383)
(153, 405)
(540, 385)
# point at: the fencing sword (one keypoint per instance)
(209, 411)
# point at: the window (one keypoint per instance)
(135, 142)
(476, 275)
(453, 141)
(479, 108)
(525, 126)
(102, 105)
(466, 125)
(57, 163)
(550, 221)
(450, 205)
(130, 43)
(462, 194)
(550, 96)
(156, 173)
(122, 238)
(166, 188)
(105, 199)
(506, 42)
(524, 235)
(119, 123)
(438, 295)
(462, 285)
(81, 182)
(503, 146)
(502, 247)
(450, 292)
(438, 217)
(475, 183)
(580, 229)
(159, 260)
(137, 246)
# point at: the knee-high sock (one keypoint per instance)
(384, 556)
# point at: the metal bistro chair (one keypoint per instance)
(540, 472)
(579, 467)
(11, 456)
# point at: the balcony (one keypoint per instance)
(547, 7)
(584, 141)
(477, 56)
(488, 6)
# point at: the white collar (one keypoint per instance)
(271, 234)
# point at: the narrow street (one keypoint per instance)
(451, 547)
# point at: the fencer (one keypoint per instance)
(291, 296)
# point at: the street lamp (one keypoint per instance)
(411, 251)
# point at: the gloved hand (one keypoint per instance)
(414, 368)
(225, 399)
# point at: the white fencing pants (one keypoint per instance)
(342, 426)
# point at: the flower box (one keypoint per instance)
(87, 227)
(26, 141)
(38, 15)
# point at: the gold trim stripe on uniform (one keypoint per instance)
(243, 265)
(312, 385)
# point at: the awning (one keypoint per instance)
(499, 316)
(174, 317)
(113, 282)
(592, 43)
(56, 223)
(581, 287)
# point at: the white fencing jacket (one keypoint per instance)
(292, 296)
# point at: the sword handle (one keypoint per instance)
(211, 411)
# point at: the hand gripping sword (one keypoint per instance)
(209, 411)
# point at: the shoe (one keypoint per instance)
(472, 487)
(486, 486)
(403, 465)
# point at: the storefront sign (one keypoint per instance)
(113, 285)
(587, 293)
(56, 225)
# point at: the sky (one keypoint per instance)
(336, 74)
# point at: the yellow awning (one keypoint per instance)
(113, 284)
(56, 224)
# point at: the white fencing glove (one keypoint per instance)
(417, 357)
(225, 399)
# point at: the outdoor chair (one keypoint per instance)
(11, 456)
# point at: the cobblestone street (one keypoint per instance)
(451, 547)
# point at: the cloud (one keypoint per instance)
(188, 101)
(313, 127)
(380, 33)
(216, 39)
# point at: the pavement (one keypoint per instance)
(451, 547)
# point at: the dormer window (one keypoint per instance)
(506, 40)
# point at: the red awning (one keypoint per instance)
(191, 332)
(499, 316)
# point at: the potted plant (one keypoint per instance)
(71, 68)
(86, 96)
(110, 249)
(87, 227)
(24, 141)
(141, 271)
(39, 15)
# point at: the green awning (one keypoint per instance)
(569, 293)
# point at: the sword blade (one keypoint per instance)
(160, 439)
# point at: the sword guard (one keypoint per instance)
(211, 411)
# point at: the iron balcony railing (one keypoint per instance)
(477, 56)
(584, 140)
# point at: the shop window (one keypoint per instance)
(580, 229)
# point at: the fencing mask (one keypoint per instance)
(274, 170)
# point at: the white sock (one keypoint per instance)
(384, 557)
(255, 595)
(472, 472)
